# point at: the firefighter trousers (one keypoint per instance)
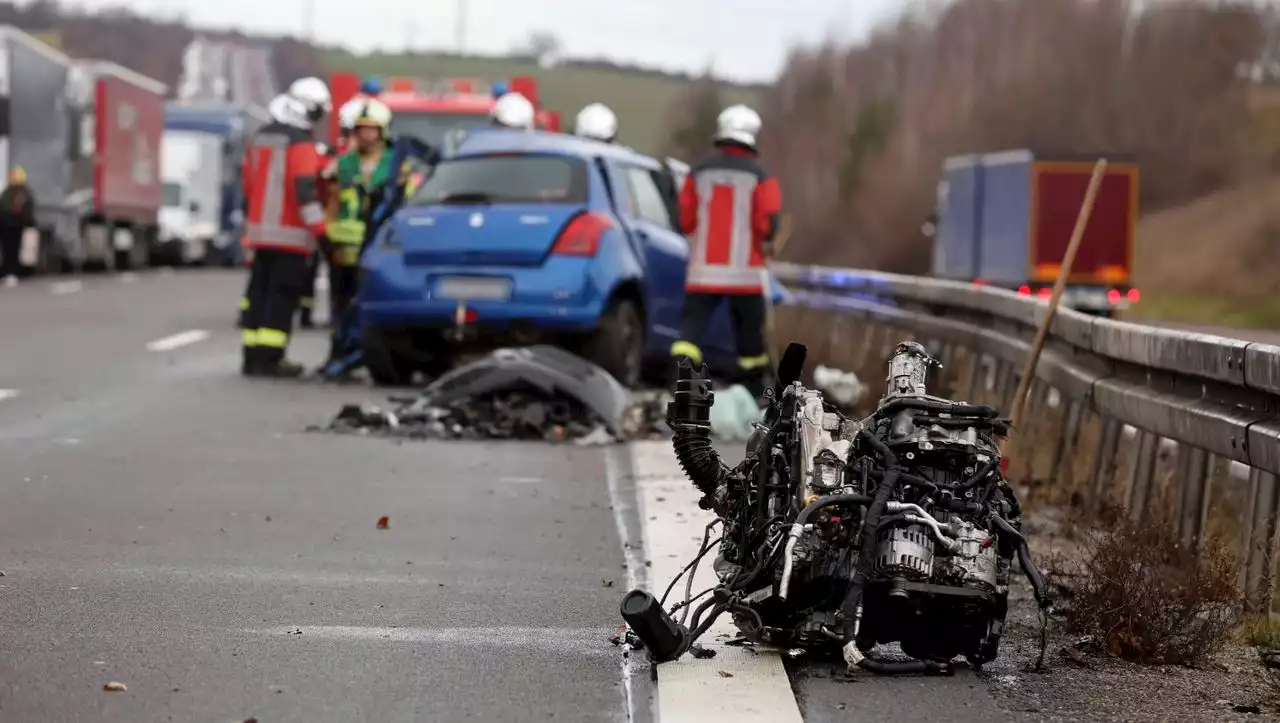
(307, 304)
(276, 283)
(747, 312)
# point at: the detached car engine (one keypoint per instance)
(851, 533)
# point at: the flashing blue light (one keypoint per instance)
(498, 88)
(371, 85)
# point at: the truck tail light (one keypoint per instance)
(1044, 293)
(1134, 296)
(581, 237)
(1113, 296)
(1024, 290)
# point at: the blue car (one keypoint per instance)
(529, 237)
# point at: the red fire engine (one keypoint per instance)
(429, 113)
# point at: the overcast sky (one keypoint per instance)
(745, 39)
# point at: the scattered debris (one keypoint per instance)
(1242, 708)
(702, 653)
(606, 583)
(733, 414)
(841, 387)
(384, 522)
(725, 674)
(115, 687)
(529, 393)
(1270, 658)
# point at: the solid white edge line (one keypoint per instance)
(738, 685)
(8, 394)
(66, 287)
(614, 469)
(181, 339)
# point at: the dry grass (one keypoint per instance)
(1149, 600)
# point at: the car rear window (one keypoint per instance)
(505, 179)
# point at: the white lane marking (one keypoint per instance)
(693, 690)
(570, 641)
(630, 554)
(128, 277)
(180, 339)
(521, 480)
(66, 287)
(8, 394)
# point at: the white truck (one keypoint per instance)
(191, 166)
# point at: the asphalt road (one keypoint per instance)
(171, 526)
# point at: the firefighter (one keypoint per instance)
(281, 176)
(513, 110)
(597, 121)
(729, 209)
(361, 170)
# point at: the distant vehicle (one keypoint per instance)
(121, 131)
(522, 237)
(201, 221)
(429, 112)
(1005, 219)
(37, 80)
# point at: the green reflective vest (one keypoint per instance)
(355, 188)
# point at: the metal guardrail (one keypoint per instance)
(1216, 399)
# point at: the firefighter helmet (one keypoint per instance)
(598, 122)
(349, 112)
(373, 113)
(513, 111)
(738, 124)
(314, 95)
(288, 110)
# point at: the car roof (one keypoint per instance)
(501, 140)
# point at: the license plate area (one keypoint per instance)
(473, 288)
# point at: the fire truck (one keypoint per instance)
(429, 111)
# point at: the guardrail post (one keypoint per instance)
(1006, 385)
(1192, 494)
(1259, 543)
(1144, 472)
(973, 385)
(1103, 470)
(1065, 453)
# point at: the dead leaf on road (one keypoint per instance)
(113, 686)
(725, 674)
(384, 522)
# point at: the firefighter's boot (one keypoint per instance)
(283, 369)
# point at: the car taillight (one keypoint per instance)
(582, 236)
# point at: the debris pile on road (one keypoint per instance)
(529, 393)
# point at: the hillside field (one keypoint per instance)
(641, 100)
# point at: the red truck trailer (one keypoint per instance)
(126, 127)
(1005, 219)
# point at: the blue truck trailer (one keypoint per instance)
(204, 144)
(1005, 219)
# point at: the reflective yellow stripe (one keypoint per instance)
(689, 349)
(244, 303)
(345, 231)
(347, 255)
(307, 302)
(273, 338)
(753, 362)
(249, 337)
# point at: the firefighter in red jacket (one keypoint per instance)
(281, 176)
(729, 209)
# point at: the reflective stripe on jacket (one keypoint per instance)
(281, 175)
(729, 207)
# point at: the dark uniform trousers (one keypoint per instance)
(308, 300)
(276, 282)
(747, 312)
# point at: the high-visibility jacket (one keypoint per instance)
(356, 188)
(281, 176)
(729, 209)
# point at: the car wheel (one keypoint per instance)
(386, 366)
(618, 343)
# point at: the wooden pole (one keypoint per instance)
(1068, 261)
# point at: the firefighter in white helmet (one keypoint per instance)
(314, 96)
(729, 241)
(598, 122)
(513, 110)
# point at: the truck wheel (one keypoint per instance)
(387, 367)
(618, 343)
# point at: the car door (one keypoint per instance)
(663, 249)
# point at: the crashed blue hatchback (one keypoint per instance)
(522, 238)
